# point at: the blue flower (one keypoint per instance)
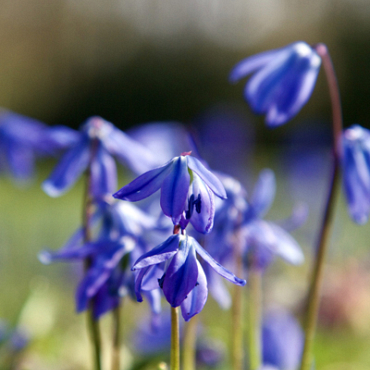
(183, 280)
(98, 141)
(109, 277)
(356, 171)
(187, 189)
(22, 139)
(266, 239)
(282, 340)
(282, 82)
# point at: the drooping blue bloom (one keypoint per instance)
(266, 239)
(22, 139)
(108, 277)
(183, 280)
(282, 340)
(356, 172)
(98, 141)
(187, 191)
(282, 82)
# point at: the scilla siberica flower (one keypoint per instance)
(99, 140)
(282, 82)
(356, 171)
(187, 191)
(183, 281)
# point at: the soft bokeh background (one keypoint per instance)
(136, 61)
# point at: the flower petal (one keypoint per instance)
(144, 185)
(197, 298)
(158, 254)
(263, 194)
(67, 171)
(251, 64)
(264, 234)
(207, 176)
(218, 267)
(103, 173)
(175, 189)
(132, 153)
(181, 275)
(202, 221)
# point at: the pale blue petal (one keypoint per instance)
(175, 189)
(144, 185)
(263, 194)
(207, 176)
(103, 173)
(159, 254)
(216, 266)
(196, 299)
(68, 170)
(251, 64)
(203, 221)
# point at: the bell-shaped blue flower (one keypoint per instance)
(177, 201)
(356, 172)
(282, 81)
(98, 141)
(183, 281)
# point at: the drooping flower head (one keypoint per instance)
(119, 243)
(183, 280)
(98, 141)
(356, 172)
(187, 191)
(282, 82)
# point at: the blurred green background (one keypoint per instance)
(137, 61)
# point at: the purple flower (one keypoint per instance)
(183, 280)
(99, 140)
(22, 139)
(187, 189)
(282, 82)
(282, 340)
(108, 277)
(356, 172)
(265, 239)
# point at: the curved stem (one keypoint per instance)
(325, 231)
(189, 344)
(254, 316)
(175, 339)
(87, 215)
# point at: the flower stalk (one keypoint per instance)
(313, 299)
(175, 339)
(93, 324)
(189, 346)
(116, 339)
(254, 318)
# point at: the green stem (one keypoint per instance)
(175, 339)
(254, 318)
(237, 309)
(116, 339)
(313, 300)
(93, 324)
(190, 339)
